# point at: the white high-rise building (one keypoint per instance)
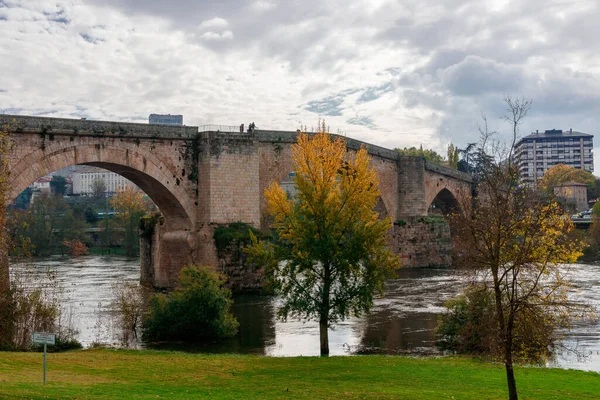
(538, 152)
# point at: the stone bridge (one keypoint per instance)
(203, 179)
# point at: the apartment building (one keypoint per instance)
(84, 177)
(538, 152)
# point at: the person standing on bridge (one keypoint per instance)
(242, 128)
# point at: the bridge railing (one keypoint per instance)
(219, 128)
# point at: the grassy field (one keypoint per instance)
(108, 374)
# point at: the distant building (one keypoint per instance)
(574, 194)
(165, 119)
(42, 184)
(538, 152)
(84, 177)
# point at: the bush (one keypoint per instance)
(469, 327)
(128, 308)
(34, 305)
(199, 309)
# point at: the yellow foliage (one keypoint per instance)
(562, 173)
(330, 251)
(128, 202)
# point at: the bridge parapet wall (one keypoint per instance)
(449, 172)
(82, 127)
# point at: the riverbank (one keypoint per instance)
(108, 374)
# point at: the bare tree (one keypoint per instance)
(98, 187)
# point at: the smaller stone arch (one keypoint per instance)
(444, 203)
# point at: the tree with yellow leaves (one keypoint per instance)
(515, 242)
(562, 173)
(329, 255)
(130, 207)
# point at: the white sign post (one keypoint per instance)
(44, 338)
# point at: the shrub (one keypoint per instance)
(128, 308)
(199, 309)
(30, 306)
(469, 326)
(75, 247)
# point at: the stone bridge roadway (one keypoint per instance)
(203, 179)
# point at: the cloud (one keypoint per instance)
(225, 35)
(394, 73)
(262, 6)
(215, 22)
(475, 75)
(364, 121)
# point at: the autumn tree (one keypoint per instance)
(562, 173)
(329, 255)
(130, 206)
(515, 242)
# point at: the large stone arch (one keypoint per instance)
(133, 162)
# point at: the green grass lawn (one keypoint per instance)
(108, 374)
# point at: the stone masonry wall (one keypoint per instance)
(411, 187)
(234, 181)
(422, 242)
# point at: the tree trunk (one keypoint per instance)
(508, 362)
(510, 380)
(324, 336)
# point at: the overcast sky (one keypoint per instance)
(394, 73)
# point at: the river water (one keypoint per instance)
(402, 322)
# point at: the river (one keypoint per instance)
(402, 322)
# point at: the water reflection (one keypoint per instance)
(403, 321)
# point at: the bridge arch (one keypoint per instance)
(444, 203)
(135, 163)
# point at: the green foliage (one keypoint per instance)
(199, 309)
(432, 219)
(429, 155)
(46, 224)
(232, 238)
(58, 184)
(453, 156)
(91, 216)
(147, 224)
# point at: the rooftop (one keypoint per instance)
(554, 134)
(571, 183)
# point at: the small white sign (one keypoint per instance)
(44, 338)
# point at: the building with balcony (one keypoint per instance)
(540, 151)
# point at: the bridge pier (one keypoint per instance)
(163, 253)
